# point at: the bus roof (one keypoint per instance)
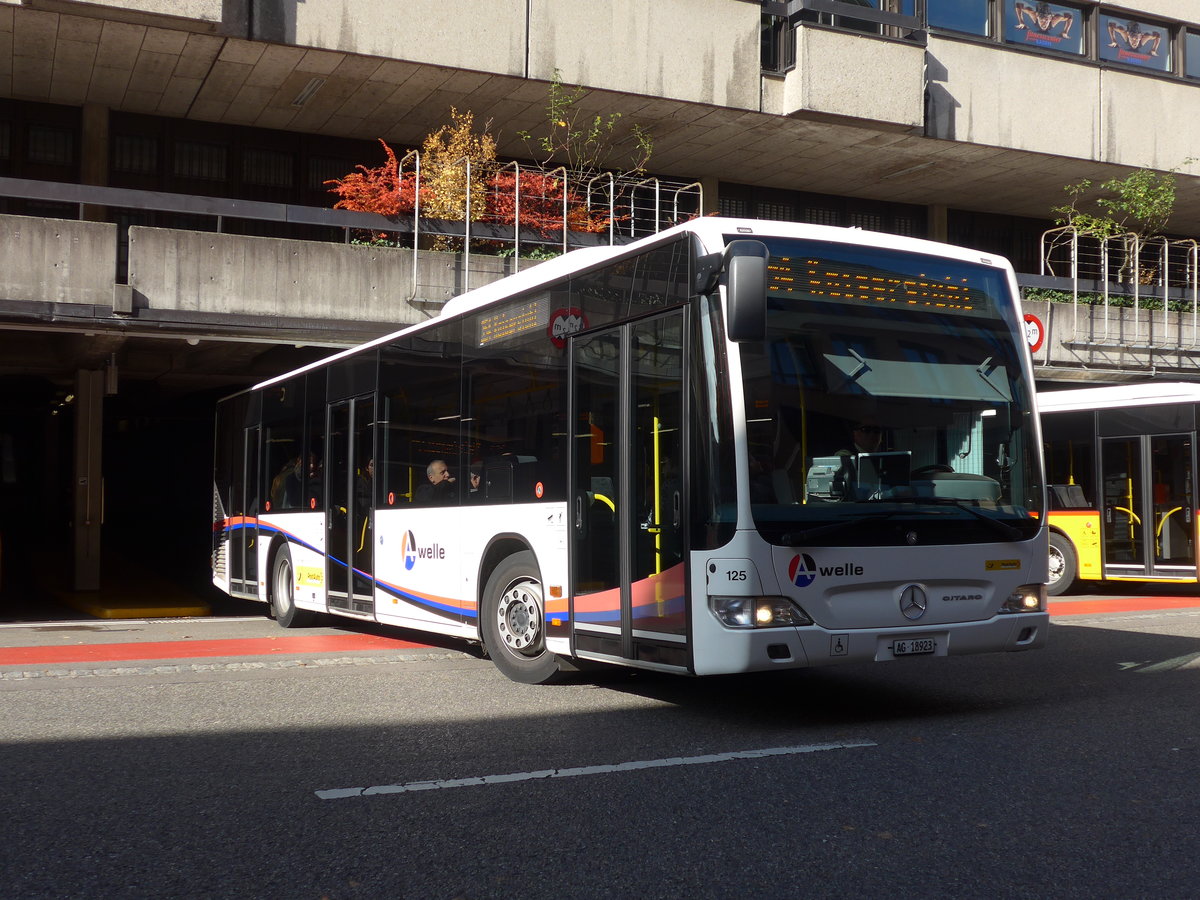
(711, 232)
(1150, 393)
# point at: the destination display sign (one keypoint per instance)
(846, 282)
(513, 320)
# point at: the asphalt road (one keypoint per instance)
(382, 773)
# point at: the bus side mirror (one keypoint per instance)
(746, 289)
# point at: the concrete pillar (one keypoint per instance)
(88, 484)
(93, 163)
(712, 196)
(935, 218)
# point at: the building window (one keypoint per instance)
(967, 16)
(907, 226)
(867, 221)
(51, 146)
(269, 168)
(1050, 26)
(816, 215)
(732, 207)
(205, 162)
(1191, 54)
(778, 212)
(1135, 43)
(323, 168)
(770, 51)
(135, 154)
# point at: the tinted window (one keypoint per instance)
(514, 421)
(969, 16)
(283, 437)
(421, 408)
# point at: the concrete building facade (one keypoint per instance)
(167, 236)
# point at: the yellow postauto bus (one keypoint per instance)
(1120, 475)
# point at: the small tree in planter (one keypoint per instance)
(379, 190)
(1139, 206)
(541, 196)
(444, 157)
(586, 145)
(569, 137)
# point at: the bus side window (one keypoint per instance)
(514, 406)
(419, 389)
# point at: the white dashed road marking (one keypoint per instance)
(340, 793)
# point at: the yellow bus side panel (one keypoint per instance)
(1082, 526)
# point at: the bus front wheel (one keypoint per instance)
(283, 593)
(1064, 565)
(513, 622)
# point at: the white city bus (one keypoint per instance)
(646, 456)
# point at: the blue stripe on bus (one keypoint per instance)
(673, 605)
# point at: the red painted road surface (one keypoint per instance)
(1119, 604)
(342, 643)
(86, 653)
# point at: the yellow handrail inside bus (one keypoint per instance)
(1133, 517)
(605, 501)
(1129, 492)
(1159, 528)
(1163, 520)
(657, 498)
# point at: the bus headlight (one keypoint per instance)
(1026, 598)
(757, 612)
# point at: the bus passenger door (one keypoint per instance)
(243, 543)
(1148, 507)
(349, 570)
(1172, 505)
(627, 547)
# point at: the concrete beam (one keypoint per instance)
(57, 261)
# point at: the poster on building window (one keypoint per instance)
(1047, 25)
(1135, 43)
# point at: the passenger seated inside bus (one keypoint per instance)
(475, 481)
(440, 490)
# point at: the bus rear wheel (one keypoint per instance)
(513, 622)
(1064, 565)
(283, 593)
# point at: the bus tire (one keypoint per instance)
(283, 594)
(1064, 565)
(513, 626)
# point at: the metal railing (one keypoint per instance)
(590, 209)
(1127, 273)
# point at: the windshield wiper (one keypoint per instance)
(794, 538)
(1008, 532)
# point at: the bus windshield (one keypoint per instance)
(886, 405)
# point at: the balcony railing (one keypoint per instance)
(1133, 292)
(530, 211)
